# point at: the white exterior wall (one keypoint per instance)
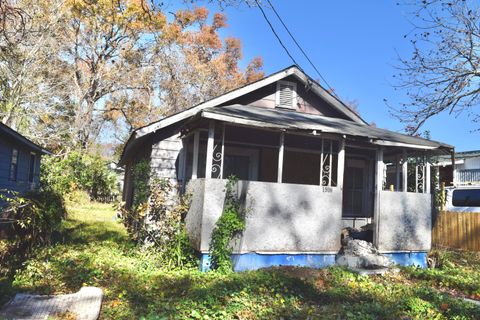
(281, 217)
(405, 221)
(193, 220)
(470, 163)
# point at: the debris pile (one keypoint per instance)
(360, 254)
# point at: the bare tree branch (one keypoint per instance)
(443, 72)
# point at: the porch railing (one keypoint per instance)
(467, 176)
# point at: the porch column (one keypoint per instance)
(209, 161)
(416, 175)
(378, 188)
(183, 163)
(280, 157)
(223, 151)
(454, 170)
(397, 173)
(427, 176)
(405, 171)
(196, 140)
(341, 163)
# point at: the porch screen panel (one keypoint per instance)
(310, 160)
(189, 154)
(417, 174)
(300, 167)
(392, 175)
(237, 165)
(202, 155)
(218, 152)
(329, 161)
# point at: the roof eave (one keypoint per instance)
(23, 140)
(423, 144)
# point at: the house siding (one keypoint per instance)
(469, 164)
(21, 184)
(307, 101)
(165, 158)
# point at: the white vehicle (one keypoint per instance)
(463, 199)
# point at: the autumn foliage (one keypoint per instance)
(81, 68)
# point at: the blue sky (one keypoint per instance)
(354, 44)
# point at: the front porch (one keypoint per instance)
(302, 187)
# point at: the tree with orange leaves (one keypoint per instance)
(124, 64)
(196, 64)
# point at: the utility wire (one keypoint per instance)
(275, 33)
(300, 47)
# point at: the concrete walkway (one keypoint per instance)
(84, 304)
(475, 302)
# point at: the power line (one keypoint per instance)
(275, 33)
(300, 47)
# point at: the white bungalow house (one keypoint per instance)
(464, 171)
(308, 167)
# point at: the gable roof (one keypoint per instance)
(9, 132)
(292, 70)
(214, 102)
(210, 107)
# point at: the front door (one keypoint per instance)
(356, 189)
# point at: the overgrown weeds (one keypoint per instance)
(26, 223)
(96, 250)
(156, 217)
(456, 272)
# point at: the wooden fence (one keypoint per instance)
(458, 230)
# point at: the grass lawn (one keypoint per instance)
(94, 250)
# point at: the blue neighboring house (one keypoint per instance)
(19, 161)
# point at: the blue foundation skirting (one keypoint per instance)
(254, 261)
(418, 259)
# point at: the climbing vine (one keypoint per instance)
(230, 224)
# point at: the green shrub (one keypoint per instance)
(141, 180)
(79, 171)
(133, 218)
(157, 217)
(31, 219)
(230, 223)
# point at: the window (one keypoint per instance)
(466, 198)
(31, 171)
(14, 165)
(286, 96)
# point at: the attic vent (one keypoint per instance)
(286, 95)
